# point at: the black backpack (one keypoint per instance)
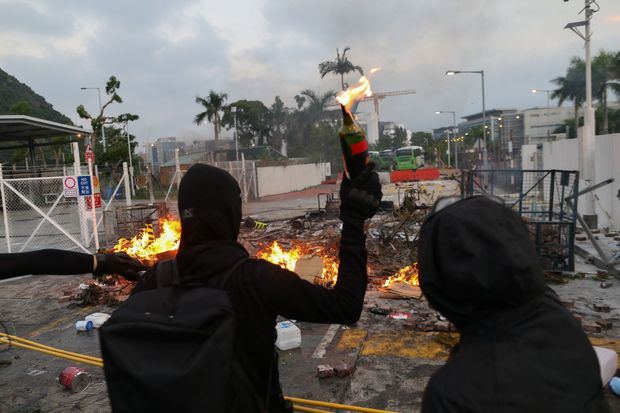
(170, 349)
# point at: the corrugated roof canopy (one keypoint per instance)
(19, 127)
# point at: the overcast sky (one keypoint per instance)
(166, 52)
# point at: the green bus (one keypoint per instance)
(409, 157)
(386, 158)
(383, 160)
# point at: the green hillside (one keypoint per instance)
(12, 92)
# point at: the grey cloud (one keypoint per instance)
(519, 44)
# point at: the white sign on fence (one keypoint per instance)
(69, 184)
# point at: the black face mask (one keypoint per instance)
(209, 206)
(476, 260)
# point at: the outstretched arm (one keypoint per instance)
(60, 262)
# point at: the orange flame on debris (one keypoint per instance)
(355, 93)
(146, 248)
(408, 275)
(276, 255)
(287, 259)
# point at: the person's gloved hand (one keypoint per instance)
(120, 263)
(360, 198)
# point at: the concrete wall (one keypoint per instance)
(274, 180)
(565, 155)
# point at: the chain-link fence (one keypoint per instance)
(36, 215)
(542, 198)
(243, 171)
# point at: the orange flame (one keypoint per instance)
(357, 92)
(408, 275)
(276, 255)
(145, 248)
(288, 260)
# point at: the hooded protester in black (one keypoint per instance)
(520, 349)
(210, 209)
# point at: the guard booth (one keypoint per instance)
(35, 212)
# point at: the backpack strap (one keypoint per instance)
(220, 282)
(168, 280)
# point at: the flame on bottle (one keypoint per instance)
(360, 90)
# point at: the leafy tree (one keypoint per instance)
(21, 108)
(252, 121)
(100, 120)
(340, 66)
(605, 74)
(572, 86)
(213, 105)
(117, 151)
(400, 138)
(422, 139)
(277, 118)
(384, 142)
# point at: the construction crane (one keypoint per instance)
(373, 125)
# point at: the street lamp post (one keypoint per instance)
(439, 112)
(102, 125)
(586, 154)
(548, 92)
(133, 191)
(485, 158)
(233, 109)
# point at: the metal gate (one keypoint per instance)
(36, 215)
(542, 198)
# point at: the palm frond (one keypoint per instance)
(200, 118)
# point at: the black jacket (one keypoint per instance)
(48, 261)
(520, 349)
(259, 291)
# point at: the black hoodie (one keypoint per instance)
(210, 207)
(520, 349)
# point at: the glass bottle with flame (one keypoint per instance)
(352, 136)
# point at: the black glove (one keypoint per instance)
(360, 198)
(120, 263)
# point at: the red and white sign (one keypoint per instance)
(89, 203)
(89, 154)
(69, 184)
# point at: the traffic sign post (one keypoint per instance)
(84, 187)
(89, 154)
(93, 202)
(69, 184)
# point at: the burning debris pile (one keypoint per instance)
(312, 263)
(149, 248)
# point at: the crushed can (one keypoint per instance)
(74, 379)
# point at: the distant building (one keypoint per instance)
(440, 133)
(539, 123)
(162, 151)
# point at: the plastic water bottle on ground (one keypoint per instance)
(289, 336)
(614, 386)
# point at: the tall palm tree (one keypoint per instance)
(341, 66)
(572, 86)
(605, 75)
(213, 104)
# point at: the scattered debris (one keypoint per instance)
(343, 369)
(399, 316)
(605, 324)
(379, 311)
(601, 308)
(324, 371)
(606, 284)
(83, 325)
(74, 379)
